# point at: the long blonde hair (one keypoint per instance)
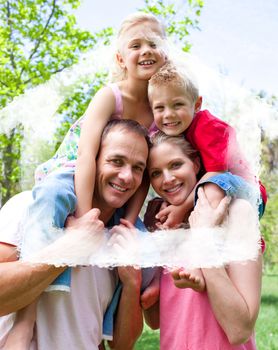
(117, 73)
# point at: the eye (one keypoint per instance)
(155, 174)
(179, 104)
(135, 46)
(159, 108)
(117, 161)
(153, 45)
(138, 168)
(176, 165)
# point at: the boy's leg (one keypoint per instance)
(54, 200)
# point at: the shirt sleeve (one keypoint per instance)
(212, 139)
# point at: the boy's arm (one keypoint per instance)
(97, 115)
(137, 200)
(174, 215)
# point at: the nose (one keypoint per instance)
(168, 177)
(168, 112)
(125, 174)
(146, 49)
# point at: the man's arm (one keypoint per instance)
(21, 283)
(129, 319)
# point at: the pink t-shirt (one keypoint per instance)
(188, 323)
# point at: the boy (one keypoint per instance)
(176, 107)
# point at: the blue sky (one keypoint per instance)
(238, 37)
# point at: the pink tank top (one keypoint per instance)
(187, 321)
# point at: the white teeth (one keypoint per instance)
(146, 63)
(171, 124)
(173, 189)
(118, 188)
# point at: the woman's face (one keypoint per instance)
(172, 174)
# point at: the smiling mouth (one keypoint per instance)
(117, 187)
(171, 125)
(147, 63)
(173, 189)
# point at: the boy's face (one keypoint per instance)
(173, 111)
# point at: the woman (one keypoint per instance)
(223, 316)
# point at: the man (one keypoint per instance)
(74, 320)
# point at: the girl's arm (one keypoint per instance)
(174, 215)
(137, 200)
(97, 115)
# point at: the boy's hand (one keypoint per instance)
(171, 216)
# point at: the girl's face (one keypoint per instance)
(141, 50)
(172, 174)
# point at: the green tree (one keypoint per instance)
(38, 38)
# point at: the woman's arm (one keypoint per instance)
(235, 292)
(234, 296)
(97, 115)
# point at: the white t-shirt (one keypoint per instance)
(68, 321)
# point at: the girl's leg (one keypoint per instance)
(21, 334)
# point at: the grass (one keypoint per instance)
(267, 323)
(266, 326)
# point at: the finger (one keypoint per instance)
(202, 198)
(163, 205)
(161, 213)
(93, 214)
(223, 205)
(127, 223)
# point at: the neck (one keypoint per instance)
(137, 89)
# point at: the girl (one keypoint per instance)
(140, 53)
(224, 315)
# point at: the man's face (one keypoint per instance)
(120, 167)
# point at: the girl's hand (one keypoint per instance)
(204, 215)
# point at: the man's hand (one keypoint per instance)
(88, 222)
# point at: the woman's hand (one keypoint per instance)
(204, 215)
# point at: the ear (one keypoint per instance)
(198, 104)
(120, 60)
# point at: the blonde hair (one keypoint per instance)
(170, 74)
(117, 73)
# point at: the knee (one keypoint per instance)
(214, 194)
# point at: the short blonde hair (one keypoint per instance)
(170, 74)
(117, 73)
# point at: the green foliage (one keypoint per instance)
(269, 222)
(179, 18)
(38, 38)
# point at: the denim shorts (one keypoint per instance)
(236, 187)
